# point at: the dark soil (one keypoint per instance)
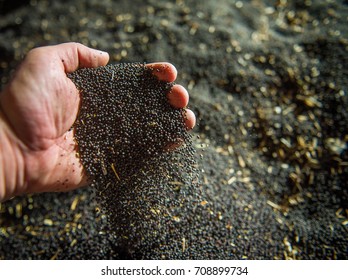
(268, 83)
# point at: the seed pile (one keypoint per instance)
(149, 194)
(272, 102)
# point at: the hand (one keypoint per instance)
(38, 108)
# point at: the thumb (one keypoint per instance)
(76, 55)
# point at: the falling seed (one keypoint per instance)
(159, 192)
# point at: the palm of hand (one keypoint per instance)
(44, 101)
(41, 106)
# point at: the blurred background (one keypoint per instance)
(268, 83)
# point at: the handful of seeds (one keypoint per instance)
(150, 195)
(125, 120)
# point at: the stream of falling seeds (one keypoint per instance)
(151, 196)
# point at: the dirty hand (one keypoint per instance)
(37, 110)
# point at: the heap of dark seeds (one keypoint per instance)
(124, 121)
(150, 194)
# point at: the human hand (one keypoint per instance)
(38, 108)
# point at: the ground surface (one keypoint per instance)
(268, 82)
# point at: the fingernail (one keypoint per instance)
(102, 52)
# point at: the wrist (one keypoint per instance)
(12, 169)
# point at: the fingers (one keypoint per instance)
(76, 55)
(178, 97)
(190, 119)
(164, 71)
